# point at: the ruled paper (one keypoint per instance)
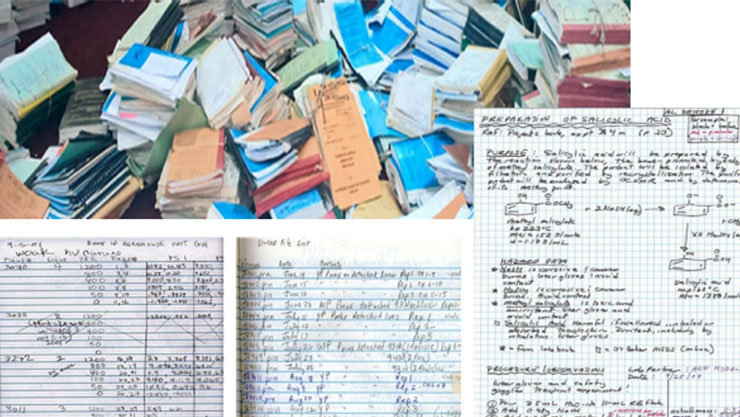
(365, 325)
(111, 327)
(607, 263)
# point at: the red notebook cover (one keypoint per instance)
(264, 201)
(588, 33)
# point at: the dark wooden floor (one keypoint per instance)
(87, 34)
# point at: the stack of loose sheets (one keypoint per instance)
(147, 85)
(471, 82)
(34, 87)
(196, 174)
(585, 61)
(266, 27)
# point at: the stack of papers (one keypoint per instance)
(267, 152)
(155, 27)
(147, 84)
(205, 19)
(412, 179)
(487, 23)
(398, 27)
(588, 71)
(224, 82)
(30, 13)
(588, 21)
(195, 175)
(266, 26)
(440, 34)
(472, 81)
(8, 30)
(362, 54)
(268, 106)
(322, 57)
(34, 87)
(306, 173)
(411, 105)
(83, 111)
(82, 176)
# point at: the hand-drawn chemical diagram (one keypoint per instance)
(525, 208)
(689, 262)
(692, 209)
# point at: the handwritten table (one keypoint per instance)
(121, 328)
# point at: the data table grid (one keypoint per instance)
(326, 331)
(111, 327)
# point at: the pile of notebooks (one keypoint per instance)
(412, 179)
(225, 83)
(440, 33)
(82, 176)
(156, 27)
(266, 27)
(269, 105)
(34, 87)
(585, 47)
(147, 85)
(279, 162)
(207, 18)
(30, 13)
(488, 22)
(472, 81)
(197, 173)
(83, 111)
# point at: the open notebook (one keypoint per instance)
(111, 327)
(374, 330)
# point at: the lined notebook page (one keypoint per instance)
(350, 326)
(608, 262)
(105, 327)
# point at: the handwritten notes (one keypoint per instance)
(350, 326)
(607, 266)
(111, 327)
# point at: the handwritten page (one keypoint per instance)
(111, 328)
(337, 326)
(607, 262)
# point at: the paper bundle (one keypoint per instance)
(413, 181)
(31, 13)
(34, 86)
(440, 34)
(266, 26)
(81, 176)
(197, 173)
(594, 74)
(471, 82)
(224, 82)
(147, 84)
